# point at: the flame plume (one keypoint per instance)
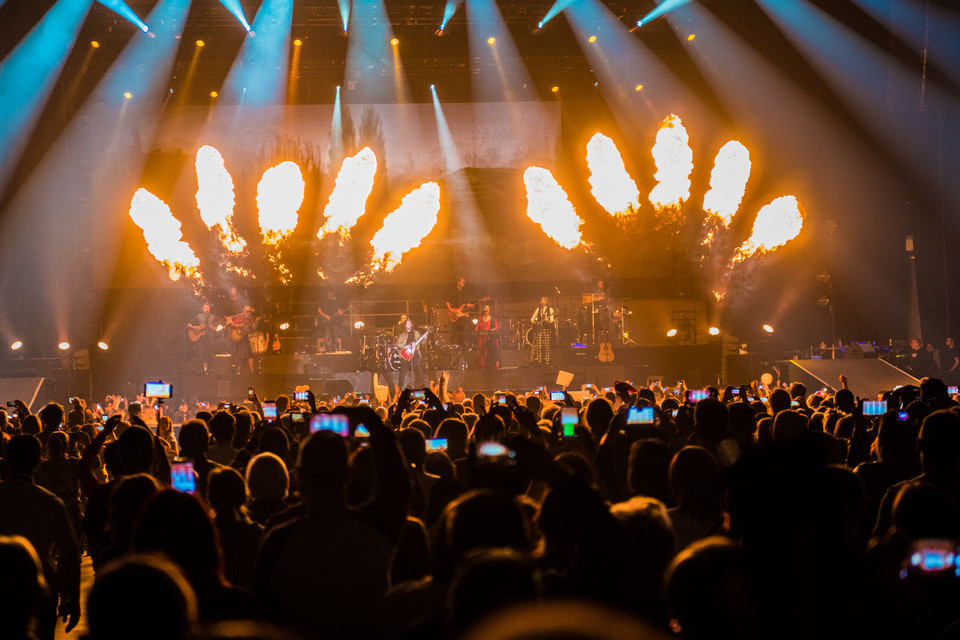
(674, 159)
(611, 185)
(406, 226)
(728, 182)
(215, 197)
(348, 200)
(279, 196)
(164, 239)
(777, 223)
(548, 206)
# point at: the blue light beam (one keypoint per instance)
(233, 6)
(663, 8)
(448, 148)
(344, 13)
(554, 11)
(28, 74)
(448, 12)
(259, 75)
(122, 8)
(336, 134)
(370, 64)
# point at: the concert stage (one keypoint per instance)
(336, 374)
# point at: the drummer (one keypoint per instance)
(398, 328)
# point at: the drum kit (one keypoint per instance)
(379, 351)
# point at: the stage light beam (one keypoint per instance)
(123, 9)
(664, 7)
(16, 345)
(555, 10)
(28, 74)
(234, 7)
(253, 80)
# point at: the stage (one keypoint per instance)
(336, 374)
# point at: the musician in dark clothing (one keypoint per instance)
(238, 329)
(458, 307)
(201, 331)
(331, 323)
(408, 340)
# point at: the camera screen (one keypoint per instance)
(335, 422)
(270, 410)
(640, 415)
(417, 394)
(182, 478)
(874, 407)
(435, 445)
(157, 390)
(696, 395)
(556, 395)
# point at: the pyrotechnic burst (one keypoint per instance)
(728, 182)
(215, 198)
(674, 159)
(611, 185)
(777, 223)
(348, 200)
(163, 236)
(405, 226)
(548, 206)
(279, 196)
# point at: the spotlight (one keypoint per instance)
(439, 32)
(691, 37)
(555, 89)
(200, 43)
(127, 95)
(219, 327)
(491, 40)
(639, 87)
(63, 346)
(433, 87)
(592, 39)
(672, 333)
(358, 325)
(395, 42)
(16, 345)
(639, 23)
(476, 321)
(539, 25)
(284, 326)
(94, 44)
(768, 328)
(298, 42)
(103, 345)
(214, 94)
(713, 331)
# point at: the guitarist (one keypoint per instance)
(239, 328)
(200, 331)
(413, 366)
(458, 306)
(544, 321)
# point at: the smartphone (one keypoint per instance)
(365, 403)
(157, 390)
(435, 445)
(794, 403)
(501, 399)
(11, 403)
(182, 476)
(496, 452)
(673, 413)
(446, 406)
(696, 395)
(104, 418)
(417, 394)
(953, 390)
(874, 407)
(607, 389)
(556, 395)
(640, 415)
(72, 399)
(903, 416)
(300, 396)
(296, 416)
(931, 555)
(735, 391)
(361, 431)
(251, 393)
(336, 422)
(269, 410)
(569, 418)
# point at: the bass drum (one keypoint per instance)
(529, 336)
(394, 360)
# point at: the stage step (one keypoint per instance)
(866, 377)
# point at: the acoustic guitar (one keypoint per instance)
(606, 352)
(196, 332)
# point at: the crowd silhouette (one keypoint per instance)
(752, 513)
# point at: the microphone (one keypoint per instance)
(557, 290)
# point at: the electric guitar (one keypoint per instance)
(455, 313)
(410, 350)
